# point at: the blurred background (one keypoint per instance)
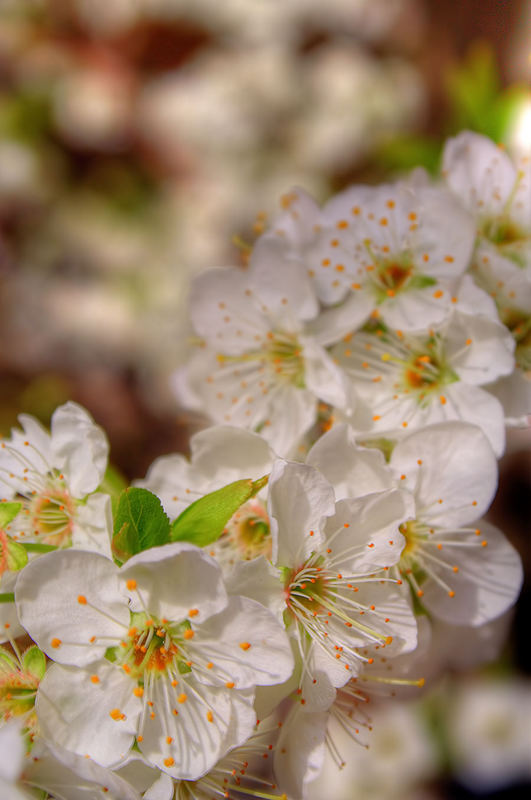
(144, 140)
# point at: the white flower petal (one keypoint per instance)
(261, 581)
(452, 470)
(299, 498)
(95, 718)
(12, 749)
(93, 525)
(479, 173)
(353, 471)
(66, 598)
(223, 454)
(188, 743)
(80, 448)
(68, 776)
(281, 282)
(300, 751)
(245, 643)
(363, 534)
(220, 307)
(479, 349)
(290, 414)
(322, 377)
(487, 584)
(171, 580)
(478, 407)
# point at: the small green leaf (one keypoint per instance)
(7, 597)
(139, 523)
(421, 282)
(204, 521)
(34, 661)
(8, 512)
(16, 556)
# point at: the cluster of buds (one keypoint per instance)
(205, 632)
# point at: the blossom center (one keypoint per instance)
(51, 513)
(305, 587)
(155, 647)
(427, 372)
(284, 353)
(392, 276)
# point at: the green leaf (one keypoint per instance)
(7, 597)
(8, 512)
(204, 521)
(113, 484)
(421, 282)
(139, 523)
(16, 556)
(34, 661)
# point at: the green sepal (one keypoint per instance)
(421, 282)
(38, 547)
(34, 661)
(5, 655)
(17, 556)
(8, 512)
(139, 523)
(204, 521)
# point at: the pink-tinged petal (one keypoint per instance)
(487, 583)
(92, 713)
(170, 580)
(353, 471)
(225, 312)
(246, 644)
(80, 448)
(300, 750)
(299, 499)
(363, 535)
(452, 471)
(72, 605)
(281, 283)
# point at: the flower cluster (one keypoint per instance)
(225, 624)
